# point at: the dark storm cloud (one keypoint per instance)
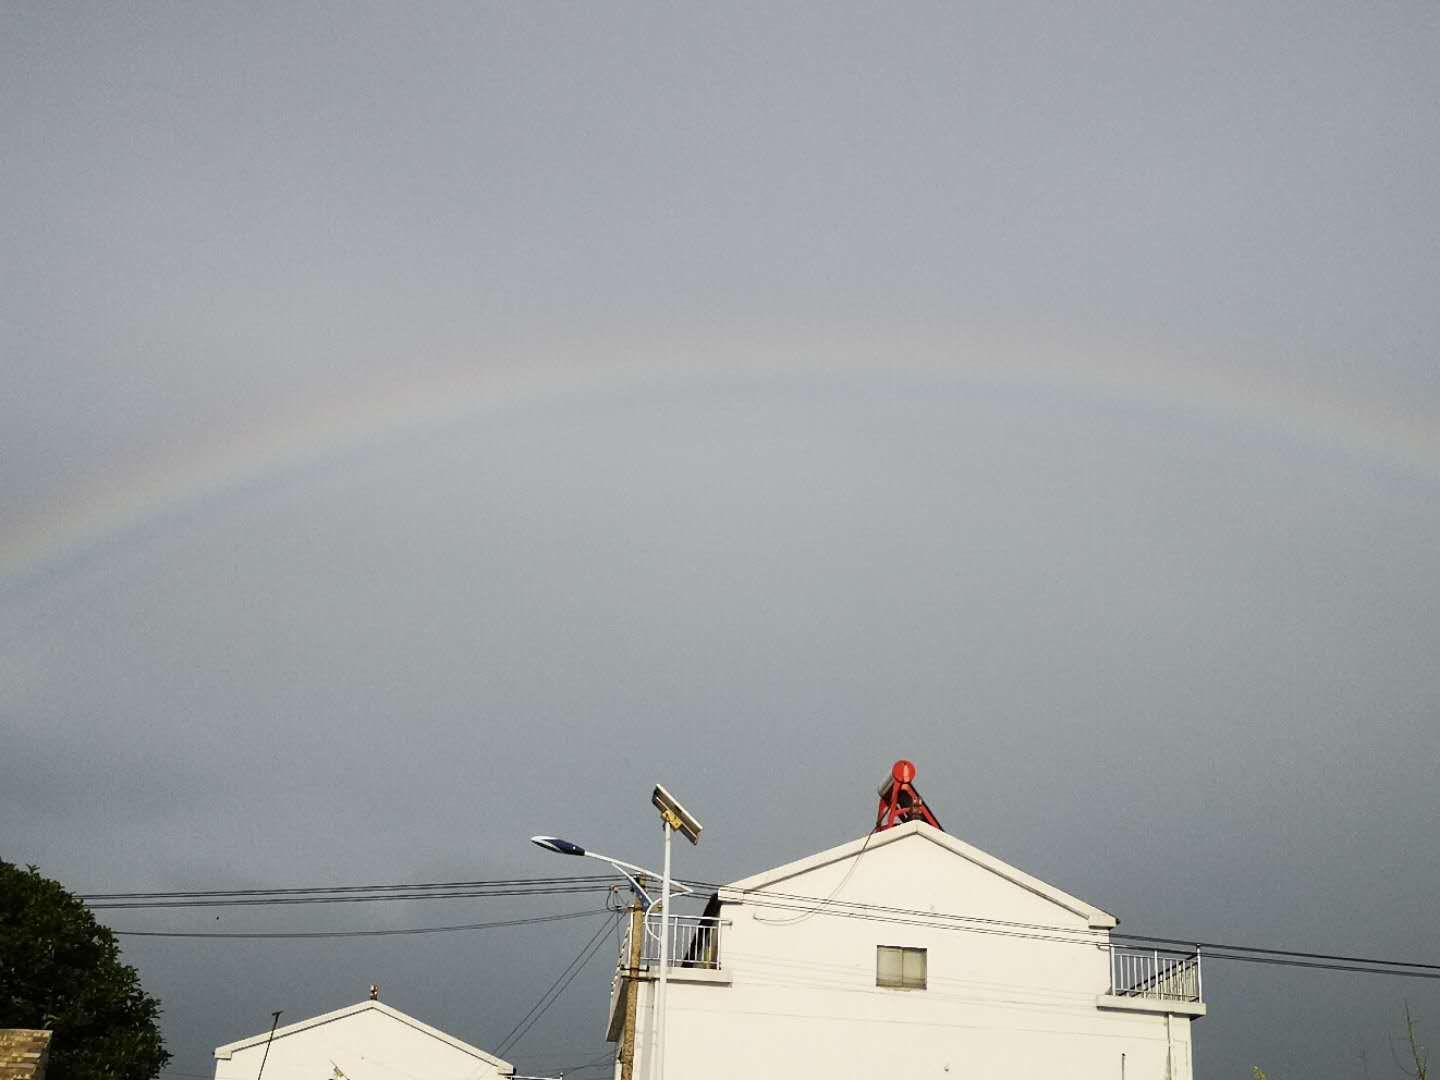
(1173, 654)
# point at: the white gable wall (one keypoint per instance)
(802, 1001)
(917, 875)
(370, 1044)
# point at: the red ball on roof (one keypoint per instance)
(903, 771)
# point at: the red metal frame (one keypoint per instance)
(899, 801)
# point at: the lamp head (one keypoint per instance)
(555, 844)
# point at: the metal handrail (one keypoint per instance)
(1157, 974)
(694, 942)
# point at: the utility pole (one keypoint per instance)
(632, 991)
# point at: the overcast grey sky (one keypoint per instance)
(424, 426)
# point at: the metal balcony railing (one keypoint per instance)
(1155, 973)
(694, 942)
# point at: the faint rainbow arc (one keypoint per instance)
(85, 518)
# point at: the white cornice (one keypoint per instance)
(1095, 917)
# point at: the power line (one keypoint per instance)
(758, 896)
(1058, 935)
(482, 883)
(557, 995)
(251, 935)
(854, 865)
(1082, 935)
(1355, 970)
(500, 1046)
(1078, 936)
(1286, 952)
(552, 993)
(1358, 965)
(554, 886)
(285, 901)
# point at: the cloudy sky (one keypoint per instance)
(425, 426)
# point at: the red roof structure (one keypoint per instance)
(899, 801)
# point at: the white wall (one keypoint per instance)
(803, 1003)
(369, 1045)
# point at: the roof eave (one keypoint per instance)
(1095, 918)
(224, 1053)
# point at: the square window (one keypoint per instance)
(900, 967)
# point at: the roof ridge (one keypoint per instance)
(1097, 918)
(225, 1052)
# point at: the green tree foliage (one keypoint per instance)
(61, 970)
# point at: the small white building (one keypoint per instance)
(365, 1041)
(906, 953)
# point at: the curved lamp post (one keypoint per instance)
(674, 818)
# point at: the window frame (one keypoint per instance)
(902, 953)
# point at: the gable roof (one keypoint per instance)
(1097, 919)
(223, 1053)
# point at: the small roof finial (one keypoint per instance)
(374, 991)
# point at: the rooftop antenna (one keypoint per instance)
(274, 1023)
(899, 801)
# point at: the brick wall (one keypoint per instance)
(23, 1054)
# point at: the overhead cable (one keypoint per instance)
(767, 898)
(482, 883)
(284, 901)
(264, 934)
(552, 993)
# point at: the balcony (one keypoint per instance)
(693, 957)
(1154, 980)
(694, 944)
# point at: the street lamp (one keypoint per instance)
(629, 871)
(674, 818)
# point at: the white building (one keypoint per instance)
(366, 1041)
(849, 964)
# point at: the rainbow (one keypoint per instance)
(131, 495)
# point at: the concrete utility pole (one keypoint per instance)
(632, 991)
